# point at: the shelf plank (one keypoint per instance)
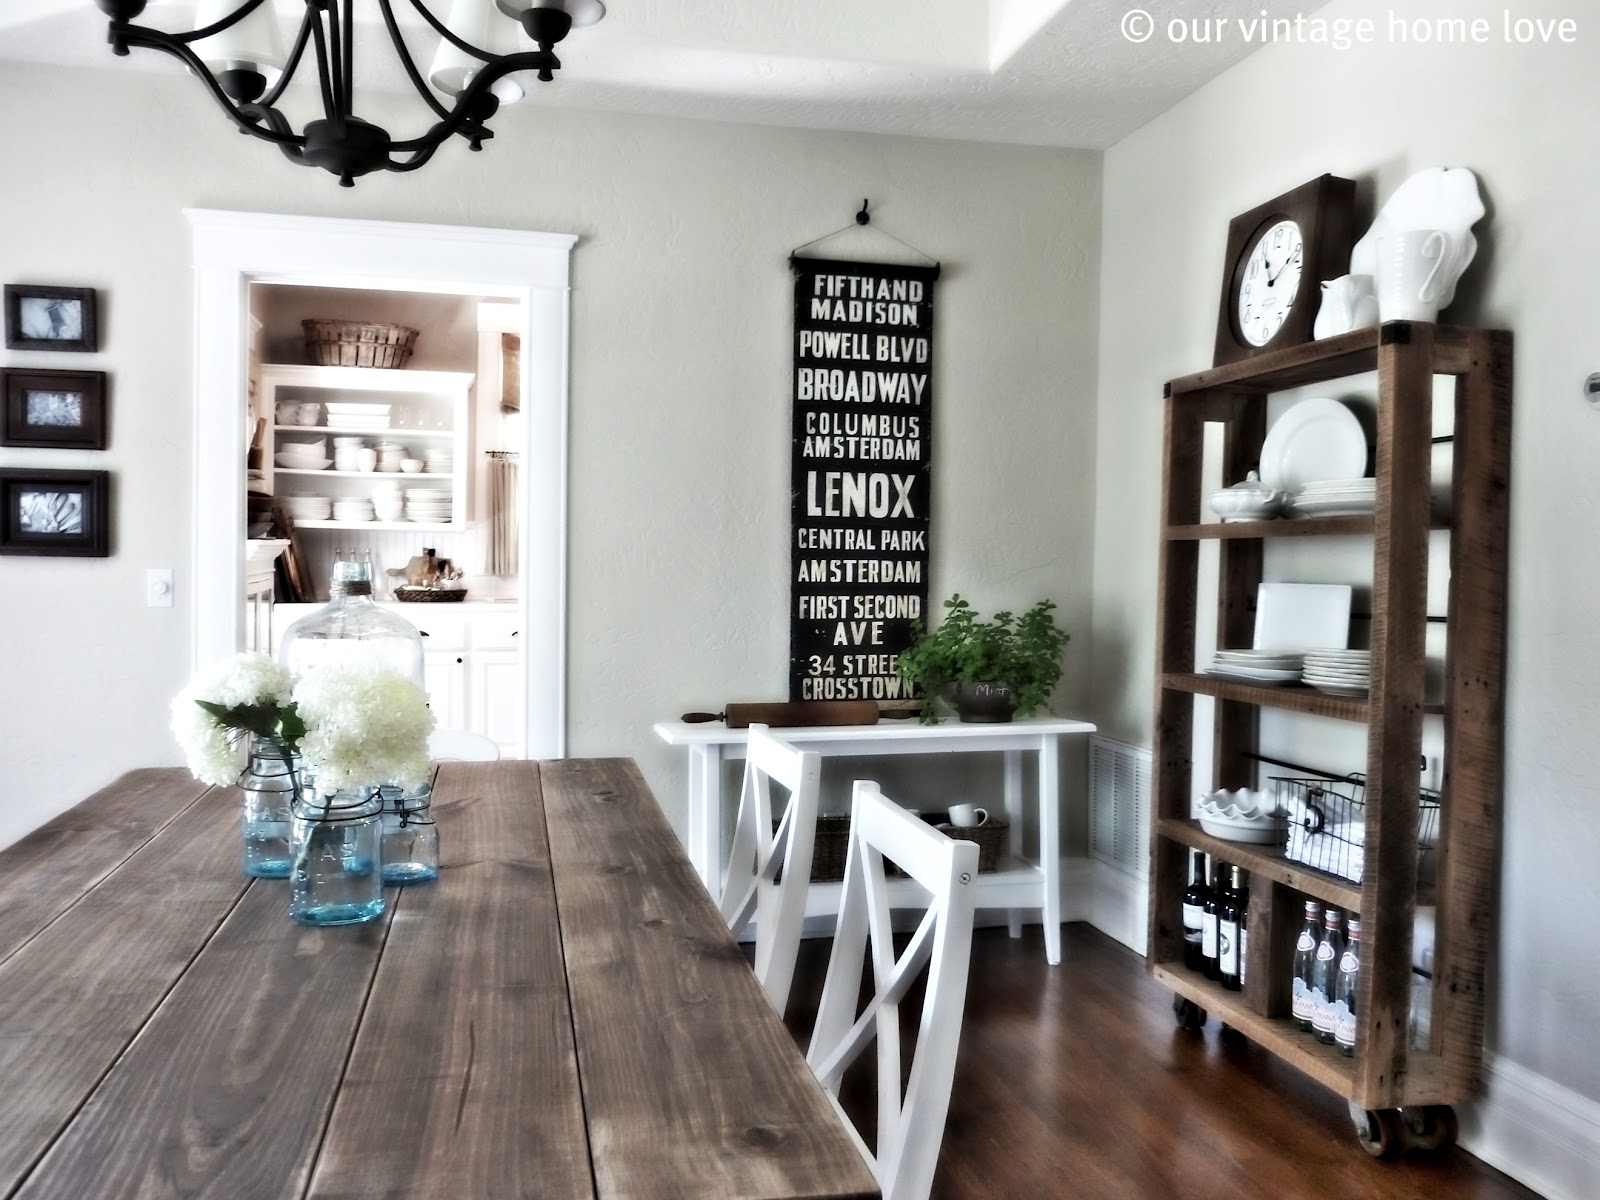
(1294, 698)
(1278, 1034)
(1265, 862)
(1350, 353)
(1304, 527)
(427, 433)
(396, 475)
(385, 526)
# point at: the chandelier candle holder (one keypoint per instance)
(236, 51)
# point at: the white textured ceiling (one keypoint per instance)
(1040, 72)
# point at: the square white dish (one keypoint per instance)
(1296, 617)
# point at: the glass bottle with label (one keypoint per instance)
(1194, 912)
(1344, 992)
(1211, 916)
(1230, 926)
(1325, 976)
(1305, 958)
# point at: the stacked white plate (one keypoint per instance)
(1339, 672)
(308, 508)
(431, 505)
(440, 461)
(1269, 667)
(356, 508)
(357, 416)
(1335, 498)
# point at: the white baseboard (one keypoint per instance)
(1540, 1133)
(1111, 900)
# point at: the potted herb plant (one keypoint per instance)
(988, 670)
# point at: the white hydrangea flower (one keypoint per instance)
(367, 724)
(214, 751)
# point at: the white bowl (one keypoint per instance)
(301, 462)
(411, 465)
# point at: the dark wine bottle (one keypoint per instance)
(1230, 926)
(1209, 925)
(1194, 912)
(1305, 958)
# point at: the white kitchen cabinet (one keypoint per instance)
(445, 673)
(495, 700)
(427, 409)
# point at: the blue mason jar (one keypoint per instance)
(337, 875)
(410, 838)
(269, 786)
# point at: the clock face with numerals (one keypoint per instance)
(1269, 281)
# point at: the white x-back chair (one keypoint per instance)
(769, 870)
(910, 1128)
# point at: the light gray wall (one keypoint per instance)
(681, 338)
(1523, 118)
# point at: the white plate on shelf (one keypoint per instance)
(1316, 440)
(1253, 674)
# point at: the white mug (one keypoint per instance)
(1412, 274)
(967, 815)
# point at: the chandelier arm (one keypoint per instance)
(291, 147)
(333, 72)
(404, 54)
(349, 57)
(228, 22)
(320, 37)
(443, 31)
(155, 39)
(461, 115)
(291, 63)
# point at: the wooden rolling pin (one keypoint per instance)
(794, 714)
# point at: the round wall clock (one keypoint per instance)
(1278, 255)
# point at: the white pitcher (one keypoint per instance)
(1348, 302)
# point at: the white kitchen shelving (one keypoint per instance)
(439, 398)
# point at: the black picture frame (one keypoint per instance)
(51, 318)
(62, 513)
(59, 409)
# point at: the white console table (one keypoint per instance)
(1017, 885)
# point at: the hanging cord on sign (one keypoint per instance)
(864, 218)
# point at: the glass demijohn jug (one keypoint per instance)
(351, 626)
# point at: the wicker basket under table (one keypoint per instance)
(833, 843)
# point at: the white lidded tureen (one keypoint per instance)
(1247, 500)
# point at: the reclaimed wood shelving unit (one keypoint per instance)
(1397, 1094)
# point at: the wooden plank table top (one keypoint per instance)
(561, 1014)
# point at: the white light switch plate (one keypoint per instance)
(158, 587)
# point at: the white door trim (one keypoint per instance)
(234, 249)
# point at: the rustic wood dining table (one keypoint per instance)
(561, 1014)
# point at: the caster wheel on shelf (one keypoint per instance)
(1431, 1126)
(1381, 1132)
(1189, 1014)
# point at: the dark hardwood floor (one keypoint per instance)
(1074, 1081)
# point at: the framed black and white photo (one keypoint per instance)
(51, 318)
(64, 409)
(55, 512)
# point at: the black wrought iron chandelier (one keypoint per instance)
(238, 55)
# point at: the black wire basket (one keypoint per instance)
(1327, 821)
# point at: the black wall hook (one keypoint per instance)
(861, 217)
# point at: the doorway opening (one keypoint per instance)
(514, 284)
